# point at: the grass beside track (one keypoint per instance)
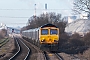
(3, 41)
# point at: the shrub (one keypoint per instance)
(75, 36)
(86, 39)
(63, 38)
(76, 40)
(3, 33)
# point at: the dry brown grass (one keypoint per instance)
(7, 50)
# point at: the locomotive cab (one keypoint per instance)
(49, 35)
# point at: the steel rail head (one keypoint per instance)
(16, 52)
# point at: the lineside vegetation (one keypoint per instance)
(75, 43)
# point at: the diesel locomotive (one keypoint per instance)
(44, 36)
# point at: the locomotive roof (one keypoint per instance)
(48, 25)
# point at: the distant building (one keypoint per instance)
(3, 26)
(81, 26)
(11, 30)
(69, 19)
(83, 16)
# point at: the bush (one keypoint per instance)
(76, 40)
(72, 44)
(63, 38)
(3, 33)
(75, 36)
(86, 39)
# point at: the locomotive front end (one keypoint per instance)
(49, 35)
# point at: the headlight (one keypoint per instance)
(42, 40)
(55, 40)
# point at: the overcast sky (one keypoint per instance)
(16, 12)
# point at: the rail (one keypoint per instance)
(19, 50)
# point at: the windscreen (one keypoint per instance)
(53, 31)
(44, 31)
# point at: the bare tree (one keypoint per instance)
(37, 21)
(81, 6)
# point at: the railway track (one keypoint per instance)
(52, 56)
(58, 56)
(44, 55)
(39, 55)
(23, 51)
